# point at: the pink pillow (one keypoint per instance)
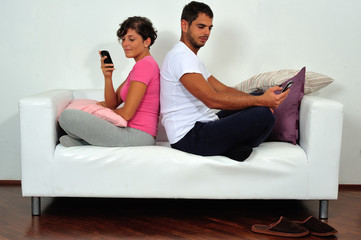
(91, 106)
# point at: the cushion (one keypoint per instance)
(90, 106)
(263, 81)
(287, 114)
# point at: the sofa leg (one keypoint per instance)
(323, 211)
(35, 206)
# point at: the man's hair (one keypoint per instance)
(142, 25)
(192, 10)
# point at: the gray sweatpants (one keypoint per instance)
(81, 125)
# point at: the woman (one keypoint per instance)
(139, 93)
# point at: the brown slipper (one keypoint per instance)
(317, 227)
(283, 227)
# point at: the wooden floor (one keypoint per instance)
(89, 218)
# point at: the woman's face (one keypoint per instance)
(134, 46)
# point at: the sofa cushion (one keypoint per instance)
(163, 172)
(314, 81)
(287, 114)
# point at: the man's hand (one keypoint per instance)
(271, 99)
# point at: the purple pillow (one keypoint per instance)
(287, 114)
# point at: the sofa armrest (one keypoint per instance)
(38, 131)
(321, 122)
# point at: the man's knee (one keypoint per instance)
(264, 111)
(266, 115)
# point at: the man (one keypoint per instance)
(189, 93)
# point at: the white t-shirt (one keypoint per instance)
(180, 110)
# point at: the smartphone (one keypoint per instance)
(288, 85)
(108, 59)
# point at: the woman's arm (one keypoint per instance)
(112, 98)
(119, 99)
(134, 97)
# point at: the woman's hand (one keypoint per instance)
(107, 68)
(102, 104)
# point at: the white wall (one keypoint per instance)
(53, 44)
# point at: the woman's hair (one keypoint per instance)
(142, 25)
(192, 10)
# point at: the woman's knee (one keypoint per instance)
(65, 122)
(71, 120)
(74, 115)
(64, 117)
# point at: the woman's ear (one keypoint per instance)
(147, 42)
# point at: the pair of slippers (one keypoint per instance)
(286, 228)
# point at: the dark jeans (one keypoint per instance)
(233, 129)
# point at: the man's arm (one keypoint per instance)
(221, 88)
(216, 95)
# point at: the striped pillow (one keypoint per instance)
(263, 81)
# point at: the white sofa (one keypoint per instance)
(275, 170)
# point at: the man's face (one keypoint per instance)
(198, 32)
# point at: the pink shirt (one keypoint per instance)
(146, 117)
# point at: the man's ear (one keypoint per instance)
(184, 25)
